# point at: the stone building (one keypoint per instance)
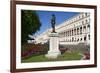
(74, 30)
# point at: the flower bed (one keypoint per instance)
(86, 56)
(33, 50)
(63, 50)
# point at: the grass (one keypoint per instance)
(63, 57)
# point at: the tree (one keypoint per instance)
(30, 24)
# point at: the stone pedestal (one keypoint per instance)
(54, 51)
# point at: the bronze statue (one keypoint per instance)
(53, 22)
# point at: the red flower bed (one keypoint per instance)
(63, 49)
(86, 55)
(31, 49)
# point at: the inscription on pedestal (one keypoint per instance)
(54, 51)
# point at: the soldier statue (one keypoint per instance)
(53, 22)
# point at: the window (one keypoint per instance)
(86, 21)
(77, 40)
(89, 37)
(85, 38)
(81, 39)
(77, 31)
(72, 32)
(88, 26)
(84, 28)
(72, 39)
(86, 14)
(80, 30)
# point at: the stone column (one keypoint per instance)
(54, 51)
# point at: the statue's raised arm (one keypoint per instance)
(53, 22)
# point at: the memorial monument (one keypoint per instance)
(54, 51)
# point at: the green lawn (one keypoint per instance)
(63, 57)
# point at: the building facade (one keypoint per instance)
(75, 30)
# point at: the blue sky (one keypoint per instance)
(45, 17)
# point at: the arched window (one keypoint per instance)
(77, 40)
(86, 14)
(81, 39)
(80, 30)
(72, 39)
(72, 32)
(77, 31)
(84, 28)
(86, 21)
(85, 38)
(89, 37)
(88, 26)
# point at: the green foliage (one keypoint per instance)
(30, 24)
